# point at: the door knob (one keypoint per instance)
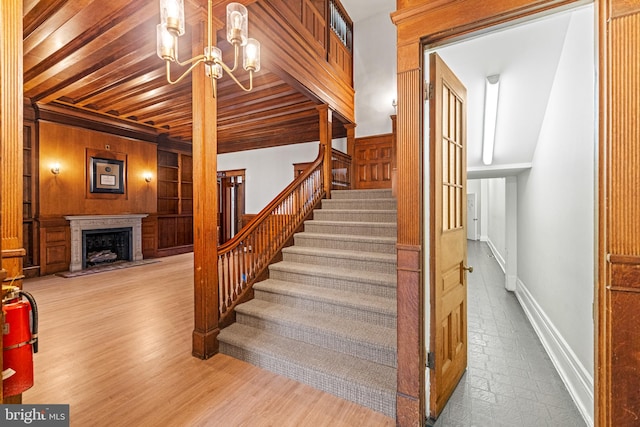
(468, 268)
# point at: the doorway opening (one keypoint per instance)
(555, 181)
(231, 194)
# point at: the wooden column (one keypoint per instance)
(351, 151)
(410, 398)
(205, 209)
(11, 116)
(618, 296)
(11, 108)
(325, 117)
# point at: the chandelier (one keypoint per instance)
(172, 26)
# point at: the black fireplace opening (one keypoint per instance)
(106, 246)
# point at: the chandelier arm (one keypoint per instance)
(230, 73)
(236, 51)
(196, 60)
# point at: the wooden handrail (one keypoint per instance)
(243, 259)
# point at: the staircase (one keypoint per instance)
(327, 314)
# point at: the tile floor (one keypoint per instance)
(510, 380)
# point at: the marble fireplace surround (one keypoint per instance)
(79, 223)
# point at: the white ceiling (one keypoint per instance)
(359, 10)
(526, 57)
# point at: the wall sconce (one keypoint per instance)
(394, 104)
(147, 176)
(172, 26)
(55, 168)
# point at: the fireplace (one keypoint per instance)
(108, 233)
(105, 246)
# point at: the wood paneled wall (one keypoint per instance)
(287, 44)
(66, 193)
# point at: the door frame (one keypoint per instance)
(420, 26)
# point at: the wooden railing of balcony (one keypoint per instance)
(243, 260)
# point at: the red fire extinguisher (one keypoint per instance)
(20, 341)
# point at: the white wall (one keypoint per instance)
(556, 228)
(268, 170)
(374, 77)
(494, 199)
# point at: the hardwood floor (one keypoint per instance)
(116, 347)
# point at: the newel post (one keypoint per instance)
(325, 117)
(205, 208)
(351, 151)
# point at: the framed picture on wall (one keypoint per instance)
(106, 175)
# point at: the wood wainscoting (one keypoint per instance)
(55, 245)
(373, 161)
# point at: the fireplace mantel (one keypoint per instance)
(79, 223)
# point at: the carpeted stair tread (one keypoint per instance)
(367, 383)
(370, 215)
(350, 238)
(362, 194)
(360, 339)
(327, 314)
(341, 254)
(361, 281)
(356, 300)
(358, 204)
(355, 223)
(346, 241)
(381, 279)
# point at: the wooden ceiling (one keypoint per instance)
(100, 56)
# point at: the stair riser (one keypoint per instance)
(362, 194)
(334, 243)
(332, 204)
(351, 229)
(385, 356)
(378, 400)
(388, 320)
(387, 291)
(366, 216)
(337, 262)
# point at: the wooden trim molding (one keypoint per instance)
(84, 119)
(618, 293)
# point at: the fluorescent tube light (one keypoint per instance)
(490, 117)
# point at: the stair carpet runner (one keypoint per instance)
(326, 316)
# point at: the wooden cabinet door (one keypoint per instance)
(448, 233)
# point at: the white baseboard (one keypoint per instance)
(497, 255)
(577, 379)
